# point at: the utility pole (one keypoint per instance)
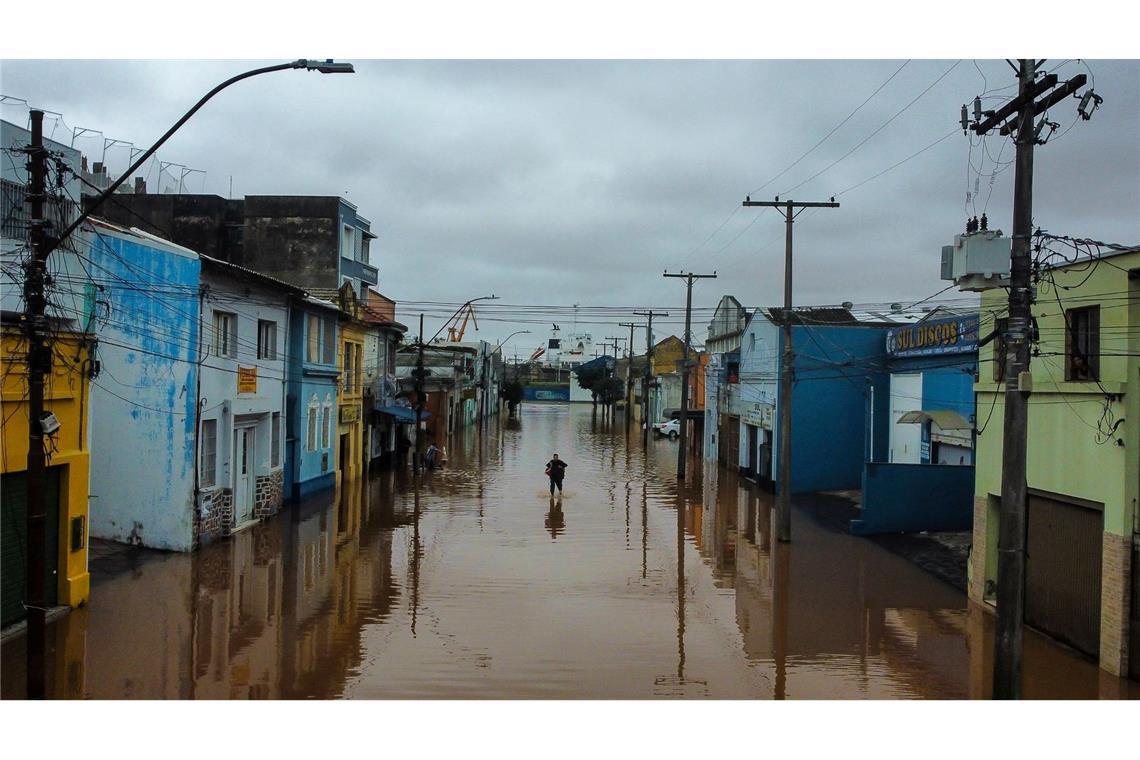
(419, 452)
(648, 370)
(39, 367)
(784, 493)
(613, 342)
(629, 376)
(1012, 526)
(682, 452)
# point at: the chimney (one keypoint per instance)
(98, 169)
(140, 185)
(83, 162)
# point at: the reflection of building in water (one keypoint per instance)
(275, 612)
(848, 609)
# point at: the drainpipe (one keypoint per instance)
(194, 541)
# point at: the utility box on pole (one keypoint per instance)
(977, 261)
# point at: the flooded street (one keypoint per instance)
(482, 587)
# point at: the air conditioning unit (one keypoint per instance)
(977, 261)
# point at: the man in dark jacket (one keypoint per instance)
(556, 469)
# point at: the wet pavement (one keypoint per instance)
(482, 587)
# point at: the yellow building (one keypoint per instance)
(65, 396)
(350, 389)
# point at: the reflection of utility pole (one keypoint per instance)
(644, 528)
(419, 400)
(648, 371)
(682, 451)
(784, 493)
(1012, 526)
(781, 559)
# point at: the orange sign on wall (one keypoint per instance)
(247, 380)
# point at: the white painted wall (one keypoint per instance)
(219, 379)
(906, 439)
(759, 375)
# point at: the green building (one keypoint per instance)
(1083, 471)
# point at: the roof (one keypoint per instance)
(835, 316)
(209, 262)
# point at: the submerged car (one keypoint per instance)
(671, 428)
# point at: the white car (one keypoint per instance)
(671, 428)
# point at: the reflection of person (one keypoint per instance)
(556, 470)
(402, 445)
(555, 520)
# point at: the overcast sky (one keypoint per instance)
(561, 182)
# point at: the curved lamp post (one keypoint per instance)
(325, 67)
(491, 297)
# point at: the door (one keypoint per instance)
(1134, 623)
(14, 540)
(243, 475)
(1063, 571)
(753, 445)
(906, 439)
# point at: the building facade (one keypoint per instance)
(1082, 466)
(311, 411)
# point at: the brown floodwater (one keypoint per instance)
(480, 586)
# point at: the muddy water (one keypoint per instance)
(481, 586)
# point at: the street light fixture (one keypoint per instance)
(491, 297)
(504, 340)
(327, 66)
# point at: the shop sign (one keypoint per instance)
(349, 414)
(759, 415)
(247, 380)
(955, 335)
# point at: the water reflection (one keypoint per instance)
(458, 588)
(555, 519)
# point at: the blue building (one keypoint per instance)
(838, 366)
(311, 408)
(922, 476)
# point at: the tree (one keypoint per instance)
(512, 393)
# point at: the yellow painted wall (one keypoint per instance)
(351, 333)
(66, 396)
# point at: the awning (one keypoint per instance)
(945, 419)
(675, 414)
(402, 414)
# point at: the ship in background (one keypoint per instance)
(549, 374)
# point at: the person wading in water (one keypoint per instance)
(556, 470)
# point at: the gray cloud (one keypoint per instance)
(579, 181)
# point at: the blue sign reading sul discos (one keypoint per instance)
(953, 335)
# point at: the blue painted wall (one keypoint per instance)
(143, 402)
(829, 404)
(304, 470)
(915, 497)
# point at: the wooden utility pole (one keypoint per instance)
(682, 451)
(629, 376)
(1012, 525)
(647, 377)
(39, 367)
(784, 492)
(611, 403)
(420, 372)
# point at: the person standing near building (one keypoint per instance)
(556, 471)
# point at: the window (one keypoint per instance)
(276, 449)
(311, 432)
(266, 339)
(1082, 344)
(329, 343)
(347, 242)
(554, 343)
(209, 453)
(313, 338)
(348, 371)
(225, 334)
(1000, 326)
(326, 429)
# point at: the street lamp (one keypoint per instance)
(504, 340)
(491, 297)
(327, 66)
